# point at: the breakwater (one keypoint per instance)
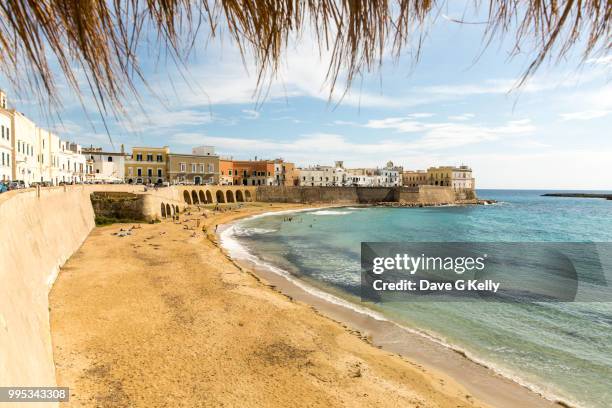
(579, 195)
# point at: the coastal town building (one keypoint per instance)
(257, 172)
(451, 176)
(30, 154)
(414, 178)
(203, 151)
(147, 165)
(324, 176)
(193, 168)
(25, 149)
(388, 176)
(105, 166)
(6, 149)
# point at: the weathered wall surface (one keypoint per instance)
(427, 195)
(40, 230)
(118, 205)
(430, 195)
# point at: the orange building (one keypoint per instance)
(256, 172)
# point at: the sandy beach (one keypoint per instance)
(163, 317)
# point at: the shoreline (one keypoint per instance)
(484, 381)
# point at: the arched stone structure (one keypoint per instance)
(176, 209)
(220, 197)
(202, 197)
(239, 196)
(194, 197)
(168, 210)
(230, 196)
(209, 197)
(163, 210)
(186, 197)
(248, 196)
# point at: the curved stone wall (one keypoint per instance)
(40, 230)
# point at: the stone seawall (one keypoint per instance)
(425, 195)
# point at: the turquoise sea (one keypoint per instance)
(563, 350)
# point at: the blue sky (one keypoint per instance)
(454, 107)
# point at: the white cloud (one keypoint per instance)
(155, 118)
(463, 116)
(605, 61)
(313, 147)
(585, 115)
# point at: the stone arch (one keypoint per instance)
(194, 197)
(176, 209)
(163, 210)
(202, 196)
(168, 210)
(247, 195)
(239, 196)
(230, 196)
(220, 197)
(186, 196)
(209, 197)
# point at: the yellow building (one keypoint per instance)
(193, 168)
(414, 178)
(451, 176)
(147, 165)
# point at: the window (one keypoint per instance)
(202, 168)
(160, 158)
(139, 157)
(139, 172)
(149, 157)
(229, 172)
(194, 167)
(149, 172)
(183, 167)
(110, 158)
(211, 168)
(130, 171)
(159, 172)
(19, 146)
(3, 138)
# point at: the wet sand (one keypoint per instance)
(163, 318)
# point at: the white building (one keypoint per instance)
(203, 151)
(34, 155)
(324, 176)
(106, 167)
(25, 149)
(71, 163)
(6, 148)
(389, 176)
